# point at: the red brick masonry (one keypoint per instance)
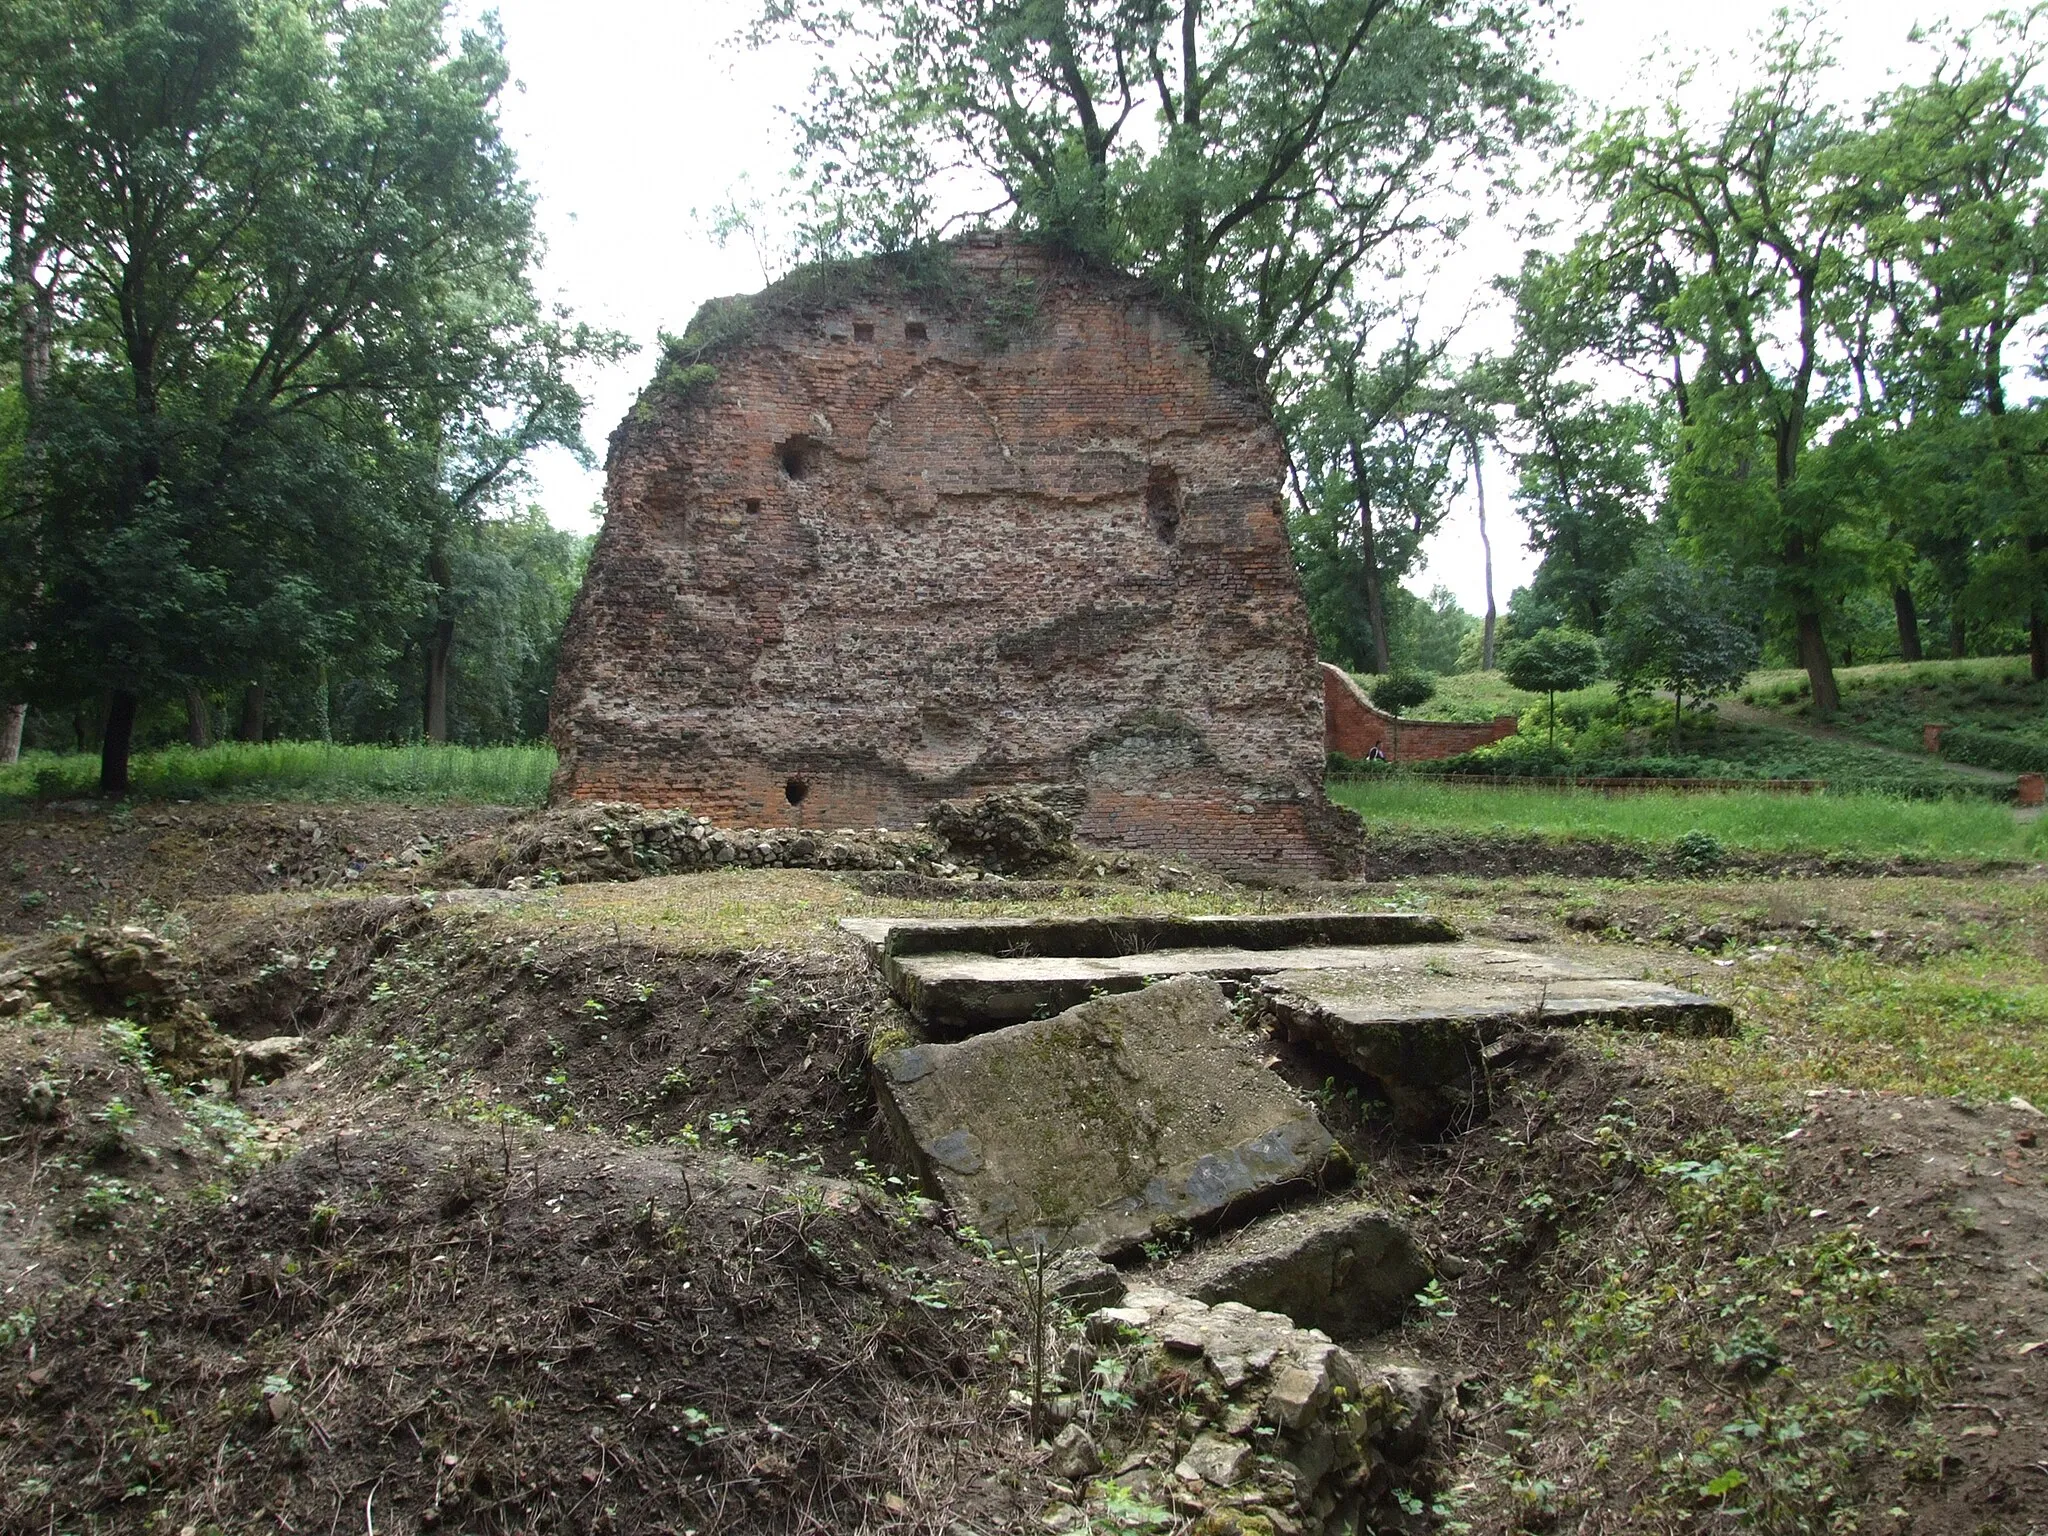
(917, 541)
(1351, 725)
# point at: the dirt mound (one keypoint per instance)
(89, 863)
(1831, 1300)
(758, 1051)
(438, 1327)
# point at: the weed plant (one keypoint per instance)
(300, 770)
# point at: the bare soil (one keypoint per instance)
(85, 862)
(560, 1226)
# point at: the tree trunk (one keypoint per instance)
(115, 742)
(251, 728)
(1958, 637)
(198, 717)
(1677, 717)
(1909, 623)
(2037, 618)
(1368, 543)
(1486, 550)
(10, 732)
(1820, 671)
(439, 649)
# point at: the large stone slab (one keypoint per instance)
(1115, 1119)
(1420, 1024)
(957, 994)
(889, 937)
(960, 976)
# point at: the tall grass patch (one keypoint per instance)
(300, 770)
(1872, 825)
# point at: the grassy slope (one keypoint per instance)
(1861, 825)
(301, 770)
(1889, 703)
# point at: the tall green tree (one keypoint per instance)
(1951, 182)
(1732, 243)
(289, 263)
(1372, 463)
(1253, 156)
(1589, 466)
(1678, 626)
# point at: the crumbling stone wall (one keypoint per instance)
(896, 539)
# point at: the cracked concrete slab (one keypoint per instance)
(1116, 1119)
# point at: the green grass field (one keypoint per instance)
(1860, 825)
(299, 770)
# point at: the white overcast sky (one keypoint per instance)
(633, 119)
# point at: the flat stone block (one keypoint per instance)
(953, 992)
(1419, 1023)
(1096, 1127)
(888, 937)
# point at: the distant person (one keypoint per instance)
(1376, 755)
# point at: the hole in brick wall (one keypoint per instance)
(862, 331)
(795, 790)
(913, 330)
(753, 505)
(799, 457)
(1163, 500)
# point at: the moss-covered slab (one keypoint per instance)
(1420, 1024)
(1124, 1116)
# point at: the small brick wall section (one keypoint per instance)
(1351, 725)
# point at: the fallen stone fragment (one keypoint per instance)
(1083, 1281)
(1216, 1459)
(1347, 1267)
(1094, 1129)
(266, 1060)
(1073, 1455)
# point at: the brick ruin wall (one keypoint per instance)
(1354, 724)
(887, 557)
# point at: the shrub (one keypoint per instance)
(1403, 688)
(1984, 748)
(1553, 661)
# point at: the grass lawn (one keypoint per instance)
(299, 770)
(1859, 825)
(1482, 695)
